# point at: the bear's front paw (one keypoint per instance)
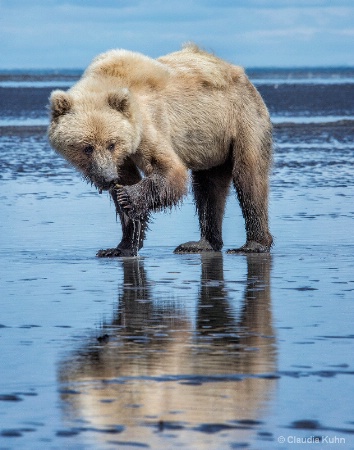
(128, 206)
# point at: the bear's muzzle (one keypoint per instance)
(102, 171)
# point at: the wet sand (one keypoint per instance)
(177, 351)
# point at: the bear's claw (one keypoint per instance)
(250, 247)
(115, 252)
(125, 203)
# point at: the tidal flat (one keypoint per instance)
(211, 351)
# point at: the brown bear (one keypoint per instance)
(135, 126)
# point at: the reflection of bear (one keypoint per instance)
(166, 364)
(130, 114)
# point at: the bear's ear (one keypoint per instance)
(60, 102)
(120, 101)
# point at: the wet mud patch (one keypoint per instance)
(10, 398)
(128, 444)
(67, 433)
(211, 428)
(117, 429)
(243, 424)
(306, 424)
(15, 433)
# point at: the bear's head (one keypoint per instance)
(95, 132)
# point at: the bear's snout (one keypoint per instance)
(102, 171)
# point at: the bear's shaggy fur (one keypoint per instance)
(130, 115)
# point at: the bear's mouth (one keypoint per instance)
(101, 184)
(107, 186)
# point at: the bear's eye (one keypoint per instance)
(111, 147)
(88, 150)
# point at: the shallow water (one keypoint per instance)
(189, 351)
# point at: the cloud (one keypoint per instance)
(68, 33)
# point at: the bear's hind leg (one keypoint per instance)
(251, 180)
(210, 188)
(133, 231)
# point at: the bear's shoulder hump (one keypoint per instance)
(132, 69)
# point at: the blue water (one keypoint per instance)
(179, 351)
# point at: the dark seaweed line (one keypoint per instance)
(343, 123)
(307, 125)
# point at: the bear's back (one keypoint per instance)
(197, 67)
(190, 66)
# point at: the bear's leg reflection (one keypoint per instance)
(161, 365)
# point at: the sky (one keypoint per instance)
(39, 34)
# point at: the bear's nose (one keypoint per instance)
(104, 167)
